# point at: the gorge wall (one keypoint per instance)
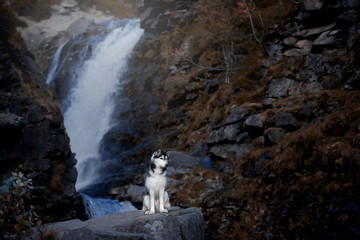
(32, 135)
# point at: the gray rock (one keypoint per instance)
(255, 121)
(285, 120)
(294, 52)
(278, 87)
(174, 171)
(269, 102)
(294, 88)
(274, 49)
(350, 15)
(290, 41)
(303, 44)
(313, 31)
(224, 151)
(319, 63)
(176, 177)
(227, 133)
(183, 160)
(242, 137)
(324, 39)
(137, 193)
(273, 135)
(236, 114)
(271, 60)
(306, 76)
(350, 3)
(282, 87)
(267, 62)
(310, 5)
(314, 87)
(303, 47)
(181, 224)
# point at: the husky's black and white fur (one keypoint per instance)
(157, 199)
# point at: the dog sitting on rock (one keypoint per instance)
(157, 199)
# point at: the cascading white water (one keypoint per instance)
(54, 66)
(96, 207)
(87, 118)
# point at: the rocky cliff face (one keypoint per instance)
(33, 139)
(275, 151)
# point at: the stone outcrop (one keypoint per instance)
(183, 224)
(33, 139)
(155, 18)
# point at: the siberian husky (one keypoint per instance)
(157, 199)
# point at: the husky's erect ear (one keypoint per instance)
(158, 153)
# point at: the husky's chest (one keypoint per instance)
(156, 182)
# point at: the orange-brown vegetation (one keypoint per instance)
(212, 25)
(121, 9)
(55, 183)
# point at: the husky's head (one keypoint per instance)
(159, 161)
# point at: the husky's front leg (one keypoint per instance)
(146, 204)
(161, 196)
(152, 202)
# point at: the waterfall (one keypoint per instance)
(54, 66)
(96, 207)
(87, 118)
(87, 72)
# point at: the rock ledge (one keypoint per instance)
(181, 224)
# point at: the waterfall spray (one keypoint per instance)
(87, 119)
(54, 66)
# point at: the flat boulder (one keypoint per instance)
(179, 224)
